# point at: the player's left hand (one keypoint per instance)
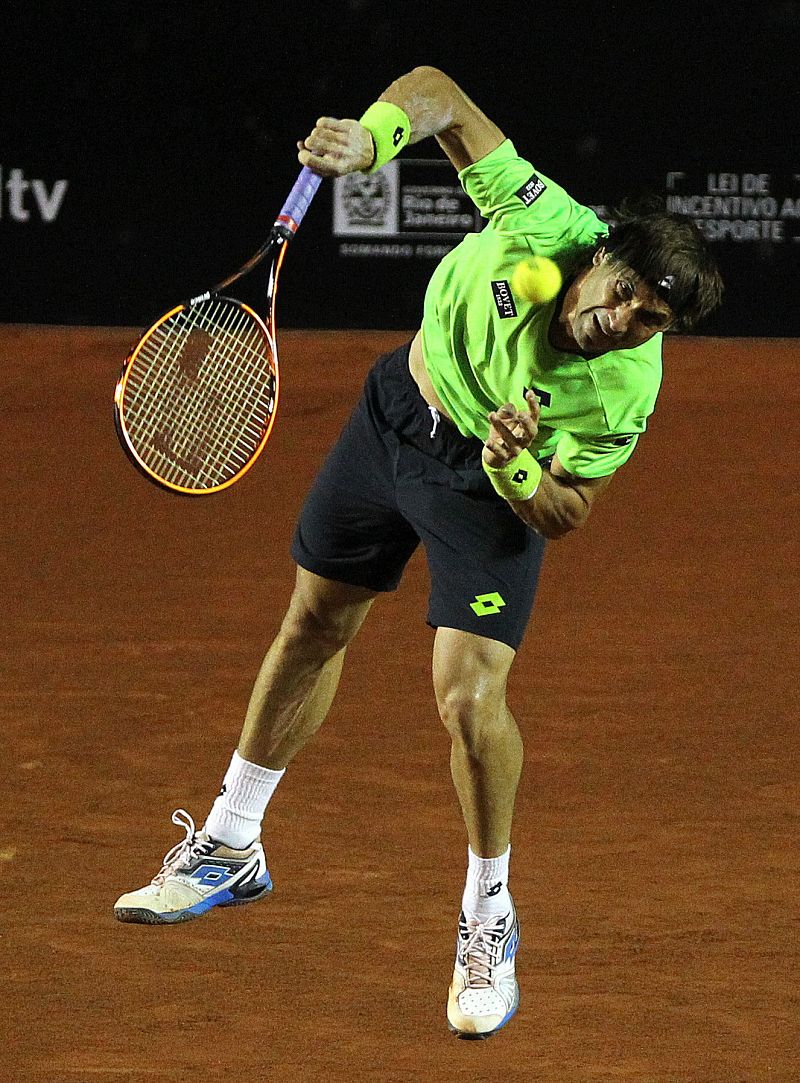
(511, 431)
(334, 147)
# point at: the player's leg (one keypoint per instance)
(484, 565)
(300, 673)
(470, 674)
(224, 864)
(290, 700)
(351, 542)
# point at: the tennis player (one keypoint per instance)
(496, 429)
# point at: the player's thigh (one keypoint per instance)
(470, 674)
(351, 535)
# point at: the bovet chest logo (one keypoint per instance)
(531, 190)
(504, 299)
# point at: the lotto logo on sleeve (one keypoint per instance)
(531, 190)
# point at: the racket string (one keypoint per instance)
(243, 393)
(227, 334)
(176, 337)
(245, 390)
(160, 397)
(159, 420)
(201, 420)
(206, 400)
(254, 424)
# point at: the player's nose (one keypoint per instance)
(619, 319)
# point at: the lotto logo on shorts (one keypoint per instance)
(486, 604)
(531, 190)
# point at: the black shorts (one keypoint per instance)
(400, 474)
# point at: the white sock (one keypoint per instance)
(486, 890)
(236, 815)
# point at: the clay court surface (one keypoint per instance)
(656, 852)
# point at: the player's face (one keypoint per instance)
(614, 309)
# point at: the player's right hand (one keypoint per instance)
(511, 431)
(337, 147)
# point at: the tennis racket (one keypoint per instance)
(197, 396)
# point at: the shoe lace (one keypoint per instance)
(183, 851)
(479, 950)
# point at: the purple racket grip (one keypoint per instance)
(295, 207)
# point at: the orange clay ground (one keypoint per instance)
(655, 862)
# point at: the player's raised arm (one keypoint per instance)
(436, 106)
(421, 104)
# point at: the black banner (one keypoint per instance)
(146, 149)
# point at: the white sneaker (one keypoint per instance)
(484, 993)
(197, 874)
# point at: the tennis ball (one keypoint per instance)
(537, 279)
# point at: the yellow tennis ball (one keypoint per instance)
(537, 279)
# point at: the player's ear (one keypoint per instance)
(598, 257)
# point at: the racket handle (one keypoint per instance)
(295, 207)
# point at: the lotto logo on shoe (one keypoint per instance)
(16, 190)
(211, 875)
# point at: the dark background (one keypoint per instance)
(175, 126)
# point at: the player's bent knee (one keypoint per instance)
(472, 715)
(303, 632)
(469, 680)
(323, 616)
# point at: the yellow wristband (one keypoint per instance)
(518, 479)
(390, 129)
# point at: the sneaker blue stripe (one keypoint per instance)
(223, 896)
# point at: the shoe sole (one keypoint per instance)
(135, 915)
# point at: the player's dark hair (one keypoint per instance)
(669, 252)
